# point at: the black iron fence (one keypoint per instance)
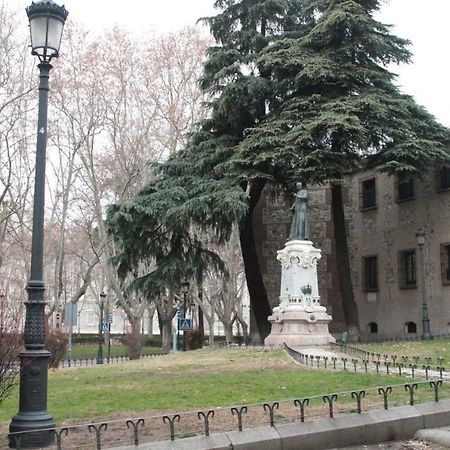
(406, 360)
(86, 362)
(361, 361)
(137, 430)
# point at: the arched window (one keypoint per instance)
(411, 328)
(373, 328)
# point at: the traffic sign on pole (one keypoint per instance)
(105, 326)
(184, 324)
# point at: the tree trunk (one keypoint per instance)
(201, 322)
(151, 312)
(228, 328)
(244, 325)
(211, 322)
(133, 339)
(258, 295)
(343, 264)
(166, 335)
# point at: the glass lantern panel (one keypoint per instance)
(38, 30)
(55, 28)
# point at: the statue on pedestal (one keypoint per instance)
(299, 319)
(299, 227)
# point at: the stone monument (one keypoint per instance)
(299, 320)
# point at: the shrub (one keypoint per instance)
(194, 339)
(10, 346)
(56, 344)
(133, 344)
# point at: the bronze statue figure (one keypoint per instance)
(299, 227)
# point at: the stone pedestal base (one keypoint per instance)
(296, 327)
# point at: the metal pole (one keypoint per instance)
(33, 415)
(109, 341)
(100, 336)
(426, 336)
(69, 341)
(2, 312)
(184, 313)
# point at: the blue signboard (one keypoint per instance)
(184, 324)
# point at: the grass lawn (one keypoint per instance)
(183, 381)
(433, 349)
(90, 350)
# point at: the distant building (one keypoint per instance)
(88, 318)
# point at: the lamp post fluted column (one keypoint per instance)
(426, 336)
(33, 413)
(30, 427)
(100, 329)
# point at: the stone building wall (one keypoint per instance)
(386, 231)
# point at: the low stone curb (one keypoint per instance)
(397, 423)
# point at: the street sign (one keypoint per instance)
(110, 317)
(105, 326)
(70, 314)
(184, 324)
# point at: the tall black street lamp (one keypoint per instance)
(46, 26)
(184, 289)
(100, 329)
(426, 336)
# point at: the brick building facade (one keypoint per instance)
(383, 216)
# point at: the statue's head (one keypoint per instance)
(300, 186)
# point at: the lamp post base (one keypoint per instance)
(30, 428)
(426, 336)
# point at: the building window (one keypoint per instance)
(368, 194)
(445, 263)
(373, 328)
(443, 178)
(410, 328)
(407, 269)
(370, 273)
(404, 188)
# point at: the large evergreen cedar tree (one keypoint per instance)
(321, 68)
(196, 187)
(336, 109)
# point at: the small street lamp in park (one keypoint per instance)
(33, 421)
(426, 336)
(100, 329)
(184, 289)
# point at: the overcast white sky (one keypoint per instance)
(425, 23)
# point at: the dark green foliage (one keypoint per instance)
(158, 227)
(195, 189)
(320, 67)
(337, 107)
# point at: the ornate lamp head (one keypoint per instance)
(46, 26)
